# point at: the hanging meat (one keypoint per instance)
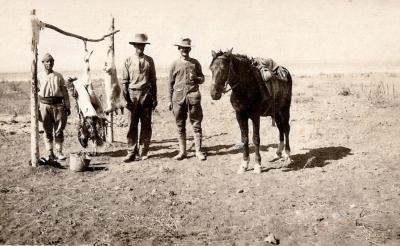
(112, 88)
(92, 122)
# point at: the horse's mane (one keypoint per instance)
(244, 59)
(239, 57)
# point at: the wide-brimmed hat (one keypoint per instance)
(184, 42)
(140, 38)
(47, 57)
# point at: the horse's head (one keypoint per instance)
(221, 69)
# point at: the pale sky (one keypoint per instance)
(289, 31)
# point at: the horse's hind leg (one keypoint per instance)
(256, 141)
(279, 124)
(284, 130)
(244, 130)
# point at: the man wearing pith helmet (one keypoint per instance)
(54, 107)
(140, 92)
(184, 79)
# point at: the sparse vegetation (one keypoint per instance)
(318, 198)
(384, 94)
(344, 91)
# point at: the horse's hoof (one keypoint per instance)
(241, 170)
(243, 167)
(278, 155)
(287, 160)
(257, 169)
(286, 157)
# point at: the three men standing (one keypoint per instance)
(140, 92)
(185, 99)
(54, 107)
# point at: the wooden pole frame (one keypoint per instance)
(110, 132)
(34, 98)
(36, 26)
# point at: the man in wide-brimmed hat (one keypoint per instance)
(185, 99)
(140, 92)
(54, 107)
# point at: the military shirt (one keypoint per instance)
(140, 73)
(179, 82)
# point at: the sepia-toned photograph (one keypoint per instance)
(227, 122)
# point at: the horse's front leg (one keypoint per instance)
(244, 130)
(256, 141)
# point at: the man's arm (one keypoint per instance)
(125, 81)
(153, 80)
(199, 73)
(171, 82)
(64, 91)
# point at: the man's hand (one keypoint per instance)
(125, 90)
(129, 106)
(192, 77)
(170, 106)
(67, 111)
(155, 103)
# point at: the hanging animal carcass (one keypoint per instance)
(112, 88)
(92, 122)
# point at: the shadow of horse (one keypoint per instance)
(233, 149)
(189, 138)
(319, 157)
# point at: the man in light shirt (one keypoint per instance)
(185, 99)
(54, 107)
(139, 89)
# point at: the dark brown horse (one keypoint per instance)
(238, 72)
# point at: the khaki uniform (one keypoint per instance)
(54, 99)
(185, 95)
(140, 75)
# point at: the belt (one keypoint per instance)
(51, 100)
(145, 88)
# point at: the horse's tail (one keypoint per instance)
(290, 83)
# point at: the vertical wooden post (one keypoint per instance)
(34, 97)
(110, 132)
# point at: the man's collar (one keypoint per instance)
(141, 55)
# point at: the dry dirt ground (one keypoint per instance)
(343, 187)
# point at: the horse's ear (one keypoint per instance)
(230, 51)
(213, 53)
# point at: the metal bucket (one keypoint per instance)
(78, 162)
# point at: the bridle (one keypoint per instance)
(230, 78)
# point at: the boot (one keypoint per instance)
(197, 142)
(182, 148)
(129, 157)
(49, 148)
(144, 153)
(59, 151)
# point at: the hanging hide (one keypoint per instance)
(89, 104)
(92, 123)
(112, 88)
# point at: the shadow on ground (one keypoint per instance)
(318, 157)
(233, 149)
